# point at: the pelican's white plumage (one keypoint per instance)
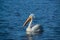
(35, 28)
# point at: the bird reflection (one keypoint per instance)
(27, 37)
(30, 37)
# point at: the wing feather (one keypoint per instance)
(36, 27)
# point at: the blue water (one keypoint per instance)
(13, 14)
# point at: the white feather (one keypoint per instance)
(36, 28)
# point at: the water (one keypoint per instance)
(13, 14)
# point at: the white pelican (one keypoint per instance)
(35, 28)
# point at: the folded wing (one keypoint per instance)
(36, 28)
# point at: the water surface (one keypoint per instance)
(13, 14)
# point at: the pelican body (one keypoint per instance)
(35, 28)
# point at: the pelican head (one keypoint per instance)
(31, 16)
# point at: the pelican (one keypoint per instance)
(34, 28)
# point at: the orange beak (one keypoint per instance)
(28, 20)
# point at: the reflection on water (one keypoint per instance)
(31, 36)
(28, 37)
